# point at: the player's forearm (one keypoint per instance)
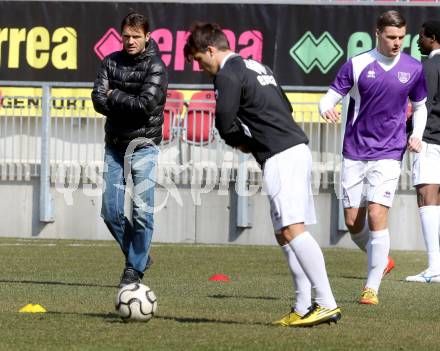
(329, 101)
(228, 129)
(419, 118)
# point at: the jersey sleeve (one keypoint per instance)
(344, 79)
(431, 73)
(418, 91)
(228, 93)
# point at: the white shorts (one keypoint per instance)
(369, 181)
(287, 182)
(426, 165)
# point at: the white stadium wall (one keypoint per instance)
(213, 221)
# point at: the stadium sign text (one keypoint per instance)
(360, 42)
(40, 47)
(249, 44)
(324, 52)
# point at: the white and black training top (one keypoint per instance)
(432, 74)
(252, 109)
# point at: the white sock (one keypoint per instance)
(302, 285)
(361, 238)
(311, 259)
(430, 221)
(378, 248)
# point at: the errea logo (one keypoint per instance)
(371, 74)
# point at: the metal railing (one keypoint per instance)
(61, 140)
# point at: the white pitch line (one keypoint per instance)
(32, 242)
(25, 244)
(91, 245)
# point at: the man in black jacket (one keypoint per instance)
(254, 115)
(426, 169)
(130, 90)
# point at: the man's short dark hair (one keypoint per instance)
(432, 30)
(390, 19)
(136, 20)
(204, 35)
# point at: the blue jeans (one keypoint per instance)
(135, 239)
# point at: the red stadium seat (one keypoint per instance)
(172, 111)
(199, 122)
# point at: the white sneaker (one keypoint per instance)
(424, 277)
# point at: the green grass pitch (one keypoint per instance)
(75, 281)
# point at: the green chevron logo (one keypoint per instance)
(309, 52)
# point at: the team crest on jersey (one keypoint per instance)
(403, 76)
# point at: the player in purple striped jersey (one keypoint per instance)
(379, 83)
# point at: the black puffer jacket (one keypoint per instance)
(135, 106)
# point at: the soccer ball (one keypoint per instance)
(136, 302)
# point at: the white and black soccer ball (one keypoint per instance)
(136, 302)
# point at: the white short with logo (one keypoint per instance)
(365, 181)
(287, 182)
(426, 165)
